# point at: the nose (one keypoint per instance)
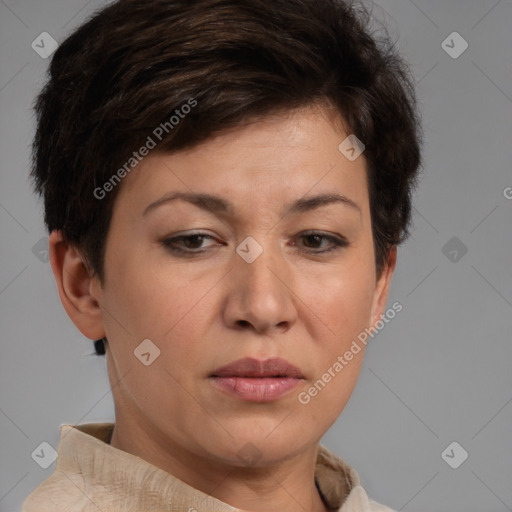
(260, 295)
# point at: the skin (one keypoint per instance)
(211, 308)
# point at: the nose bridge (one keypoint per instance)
(260, 273)
(262, 295)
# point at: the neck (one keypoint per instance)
(287, 486)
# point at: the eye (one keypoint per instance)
(194, 243)
(314, 239)
(187, 244)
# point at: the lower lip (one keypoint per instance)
(265, 389)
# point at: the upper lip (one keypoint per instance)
(249, 367)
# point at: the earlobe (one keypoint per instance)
(383, 284)
(74, 284)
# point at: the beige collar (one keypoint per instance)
(90, 469)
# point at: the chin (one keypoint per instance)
(250, 446)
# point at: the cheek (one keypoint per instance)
(342, 312)
(150, 298)
(167, 305)
(341, 300)
(325, 398)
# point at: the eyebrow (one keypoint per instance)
(216, 204)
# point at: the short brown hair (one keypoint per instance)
(129, 67)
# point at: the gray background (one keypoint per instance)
(438, 373)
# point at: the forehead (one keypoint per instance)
(277, 157)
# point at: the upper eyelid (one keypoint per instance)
(335, 239)
(301, 233)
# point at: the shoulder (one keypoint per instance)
(358, 501)
(340, 485)
(81, 449)
(49, 496)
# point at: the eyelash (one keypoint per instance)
(338, 243)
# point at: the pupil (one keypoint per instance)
(315, 239)
(189, 241)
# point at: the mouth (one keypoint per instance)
(257, 381)
(254, 368)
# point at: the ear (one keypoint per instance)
(381, 293)
(74, 285)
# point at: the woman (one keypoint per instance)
(225, 183)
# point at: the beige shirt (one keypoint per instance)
(92, 476)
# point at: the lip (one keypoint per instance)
(254, 380)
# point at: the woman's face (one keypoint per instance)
(259, 269)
